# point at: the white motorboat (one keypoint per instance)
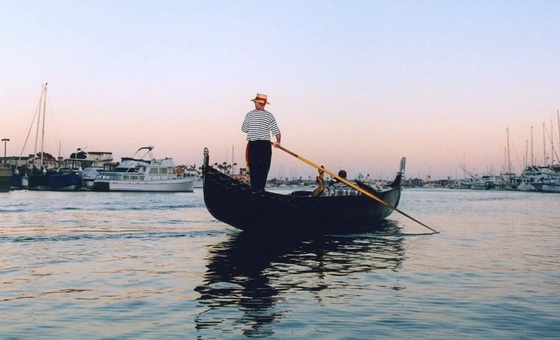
(482, 183)
(143, 175)
(534, 175)
(550, 185)
(550, 182)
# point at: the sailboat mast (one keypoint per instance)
(544, 145)
(532, 156)
(39, 109)
(508, 153)
(43, 127)
(558, 116)
(526, 154)
(552, 151)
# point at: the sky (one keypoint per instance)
(354, 85)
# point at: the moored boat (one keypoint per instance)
(547, 186)
(533, 178)
(79, 170)
(241, 206)
(35, 174)
(482, 183)
(550, 184)
(5, 177)
(64, 180)
(143, 175)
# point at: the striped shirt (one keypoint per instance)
(259, 124)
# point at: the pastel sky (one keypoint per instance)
(353, 84)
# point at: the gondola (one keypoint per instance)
(241, 206)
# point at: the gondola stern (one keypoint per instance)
(397, 182)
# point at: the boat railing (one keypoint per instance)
(119, 176)
(161, 177)
(135, 177)
(123, 176)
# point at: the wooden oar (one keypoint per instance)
(353, 186)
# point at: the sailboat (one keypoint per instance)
(551, 183)
(35, 175)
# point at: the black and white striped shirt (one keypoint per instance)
(259, 124)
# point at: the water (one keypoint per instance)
(145, 266)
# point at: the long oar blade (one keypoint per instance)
(354, 186)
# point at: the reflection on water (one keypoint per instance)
(110, 265)
(249, 276)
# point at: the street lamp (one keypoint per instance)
(5, 140)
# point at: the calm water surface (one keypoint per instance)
(144, 266)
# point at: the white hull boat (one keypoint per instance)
(144, 175)
(170, 185)
(543, 179)
(547, 186)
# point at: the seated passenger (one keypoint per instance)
(335, 183)
(338, 188)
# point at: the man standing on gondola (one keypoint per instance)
(258, 125)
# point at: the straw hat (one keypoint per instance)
(261, 98)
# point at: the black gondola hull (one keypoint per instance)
(245, 208)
